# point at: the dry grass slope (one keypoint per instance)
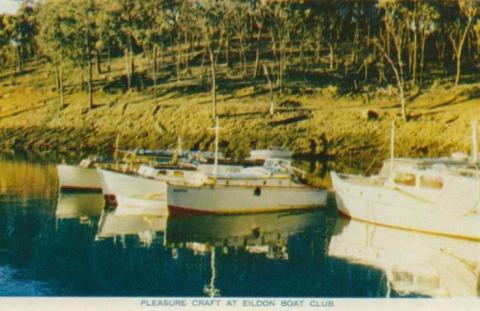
(313, 121)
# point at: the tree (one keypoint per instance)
(210, 14)
(460, 28)
(81, 16)
(119, 20)
(428, 16)
(23, 29)
(57, 33)
(395, 29)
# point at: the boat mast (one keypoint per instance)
(474, 143)
(217, 137)
(392, 146)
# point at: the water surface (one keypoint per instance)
(66, 244)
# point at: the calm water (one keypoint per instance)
(66, 245)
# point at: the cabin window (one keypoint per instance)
(178, 173)
(431, 182)
(405, 179)
(430, 282)
(257, 191)
(402, 277)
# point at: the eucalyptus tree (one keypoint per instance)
(79, 18)
(259, 16)
(4, 40)
(459, 29)
(153, 31)
(396, 28)
(185, 21)
(239, 13)
(280, 14)
(23, 29)
(56, 34)
(428, 15)
(120, 20)
(476, 31)
(210, 14)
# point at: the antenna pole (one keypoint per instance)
(217, 134)
(474, 142)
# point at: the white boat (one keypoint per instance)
(144, 192)
(85, 176)
(79, 177)
(434, 198)
(413, 263)
(114, 225)
(268, 188)
(275, 153)
(271, 187)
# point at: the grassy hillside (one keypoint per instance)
(315, 120)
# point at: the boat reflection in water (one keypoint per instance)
(146, 227)
(79, 205)
(414, 263)
(261, 234)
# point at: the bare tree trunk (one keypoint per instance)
(398, 72)
(415, 52)
(155, 68)
(187, 53)
(227, 51)
(128, 68)
(214, 86)
(89, 84)
(422, 57)
(270, 87)
(13, 74)
(59, 78)
(97, 62)
(257, 54)
(62, 99)
(18, 58)
(177, 62)
(331, 56)
(243, 62)
(460, 49)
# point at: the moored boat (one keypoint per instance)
(274, 153)
(435, 200)
(82, 177)
(144, 191)
(434, 196)
(271, 187)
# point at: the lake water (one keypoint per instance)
(55, 244)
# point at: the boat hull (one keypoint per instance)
(394, 208)
(134, 194)
(185, 201)
(263, 154)
(114, 183)
(78, 178)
